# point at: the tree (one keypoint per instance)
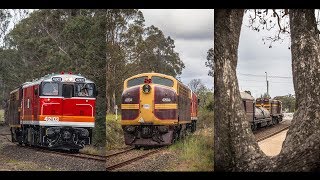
(133, 48)
(195, 85)
(58, 40)
(288, 102)
(209, 62)
(235, 146)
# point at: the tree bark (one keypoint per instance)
(300, 150)
(235, 146)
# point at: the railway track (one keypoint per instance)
(120, 152)
(77, 155)
(129, 161)
(266, 133)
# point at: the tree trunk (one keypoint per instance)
(235, 145)
(235, 148)
(300, 150)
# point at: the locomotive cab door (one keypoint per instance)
(67, 94)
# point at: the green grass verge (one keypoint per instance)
(1, 115)
(114, 132)
(195, 152)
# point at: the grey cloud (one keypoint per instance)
(180, 23)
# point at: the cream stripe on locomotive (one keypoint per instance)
(129, 106)
(166, 106)
(59, 123)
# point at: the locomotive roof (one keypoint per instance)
(153, 74)
(245, 95)
(49, 78)
(156, 74)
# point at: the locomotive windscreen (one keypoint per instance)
(136, 81)
(84, 89)
(50, 89)
(162, 81)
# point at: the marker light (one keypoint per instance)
(146, 88)
(147, 81)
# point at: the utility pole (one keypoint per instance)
(267, 84)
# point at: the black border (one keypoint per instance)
(157, 4)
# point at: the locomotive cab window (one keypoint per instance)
(162, 81)
(136, 81)
(50, 89)
(84, 89)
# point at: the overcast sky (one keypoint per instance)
(192, 31)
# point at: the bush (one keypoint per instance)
(114, 138)
(195, 151)
(205, 119)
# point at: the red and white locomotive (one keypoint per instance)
(55, 111)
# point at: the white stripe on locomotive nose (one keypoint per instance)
(59, 123)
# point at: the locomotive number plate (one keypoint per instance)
(146, 106)
(51, 119)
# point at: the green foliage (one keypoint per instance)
(195, 152)
(209, 62)
(133, 48)
(114, 131)
(1, 116)
(288, 102)
(55, 40)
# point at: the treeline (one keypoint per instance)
(50, 41)
(105, 45)
(134, 48)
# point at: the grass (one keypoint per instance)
(93, 150)
(1, 115)
(114, 132)
(195, 152)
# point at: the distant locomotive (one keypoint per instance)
(262, 112)
(157, 109)
(57, 111)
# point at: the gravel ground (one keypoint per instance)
(14, 157)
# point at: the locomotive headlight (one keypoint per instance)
(166, 100)
(52, 131)
(163, 129)
(127, 100)
(146, 88)
(84, 133)
(69, 79)
(129, 129)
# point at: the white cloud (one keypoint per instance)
(192, 31)
(182, 23)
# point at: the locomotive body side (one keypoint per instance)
(155, 108)
(53, 115)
